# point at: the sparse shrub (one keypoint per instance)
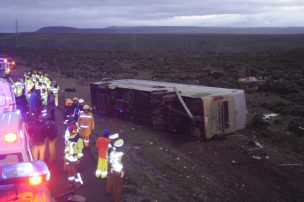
(297, 126)
(279, 87)
(259, 122)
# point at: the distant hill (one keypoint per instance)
(175, 30)
(58, 29)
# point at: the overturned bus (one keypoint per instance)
(195, 110)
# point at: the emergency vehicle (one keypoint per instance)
(4, 68)
(11, 63)
(7, 97)
(15, 144)
(24, 182)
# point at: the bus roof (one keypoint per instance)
(195, 91)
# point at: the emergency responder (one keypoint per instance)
(55, 89)
(22, 104)
(18, 87)
(38, 137)
(117, 172)
(29, 85)
(51, 132)
(39, 102)
(73, 154)
(68, 110)
(47, 81)
(75, 103)
(67, 134)
(102, 144)
(44, 97)
(34, 102)
(51, 107)
(86, 124)
(78, 109)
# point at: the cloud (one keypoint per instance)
(33, 14)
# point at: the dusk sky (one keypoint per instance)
(33, 14)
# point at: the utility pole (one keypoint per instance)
(16, 34)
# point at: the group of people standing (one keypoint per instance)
(80, 124)
(37, 98)
(36, 95)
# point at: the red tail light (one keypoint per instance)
(11, 107)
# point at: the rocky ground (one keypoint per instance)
(264, 162)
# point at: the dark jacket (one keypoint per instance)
(37, 132)
(51, 129)
(51, 101)
(77, 111)
(34, 99)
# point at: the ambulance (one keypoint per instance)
(15, 144)
(7, 97)
(25, 181)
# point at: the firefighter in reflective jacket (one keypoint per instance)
(86, 124)
(117, 174)
(73, 154)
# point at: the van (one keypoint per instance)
(200, 111)
(7, 96)
(15, 144)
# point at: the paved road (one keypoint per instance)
(93, 189)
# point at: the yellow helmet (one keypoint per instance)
(86, 107)
(75, 98)
(68, 102)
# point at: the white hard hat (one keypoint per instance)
(81, 100)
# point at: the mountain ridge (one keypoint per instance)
(173, 30)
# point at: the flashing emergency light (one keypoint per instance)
(11, 107)
(10, 137)
(35, 180)
(5, 60)
(14, 63)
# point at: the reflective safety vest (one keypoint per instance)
(55, 90)
(29, 84)
(47, 81)
(115, 161)
(73, 148)
(44, 96)
(86, 123)
(37, 86)
(18, 87)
